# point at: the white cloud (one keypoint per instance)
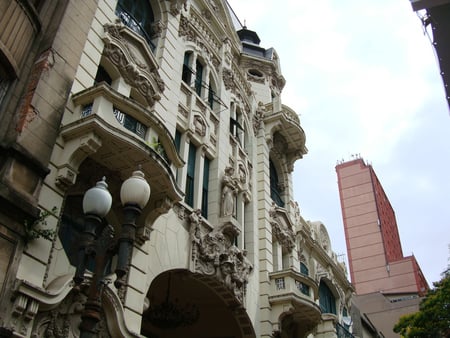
(365, 80)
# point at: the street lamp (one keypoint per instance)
(97, 201)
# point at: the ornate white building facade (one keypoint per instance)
(173, 93)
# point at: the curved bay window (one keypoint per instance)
(327, 300)
(275, 192)
(138, 16)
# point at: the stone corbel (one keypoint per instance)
(23, 312)
(152, 212)
(75, 152)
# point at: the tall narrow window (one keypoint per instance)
(275, 192)
(187, 71)
(190, 176)
(177, 141)
(205, 188)
(211, 95)
(326, 299)
(198, 77)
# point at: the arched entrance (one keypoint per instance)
(209, 309)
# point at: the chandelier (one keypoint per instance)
(170, 314)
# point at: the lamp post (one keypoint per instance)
(97, 201)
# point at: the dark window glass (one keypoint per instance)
(187, 71)
(102, 76)
(198, 78)
(211, 95)
(304, 269)
(138, 16)
(190, 176)
(303, 288)
(326, 299)
(205, 188)
(275, 192)
(178, 141)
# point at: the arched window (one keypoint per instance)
(275, 192)
(326, 299)
(138, 16)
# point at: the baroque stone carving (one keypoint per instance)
(141, 75)
(157, 29)
(281, 228)
(185, 29)
(176, 6)
(199, 125)
(64, 320)
(228, 79)
(258, 118)
(214, 254)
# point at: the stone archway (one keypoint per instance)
(219, 312)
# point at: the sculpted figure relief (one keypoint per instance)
(228, 192)
(214, 254)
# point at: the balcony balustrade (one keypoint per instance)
(294, 284)
(298, 293)
(120, 134)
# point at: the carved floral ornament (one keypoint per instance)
(139, 73)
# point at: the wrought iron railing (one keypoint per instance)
(342, 332)
(128, 20)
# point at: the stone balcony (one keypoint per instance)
(294, 295)
(280, 119)
(119, 134)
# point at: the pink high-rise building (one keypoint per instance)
(374, 250)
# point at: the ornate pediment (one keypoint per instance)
(131, 55)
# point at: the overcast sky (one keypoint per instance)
(364, 79)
